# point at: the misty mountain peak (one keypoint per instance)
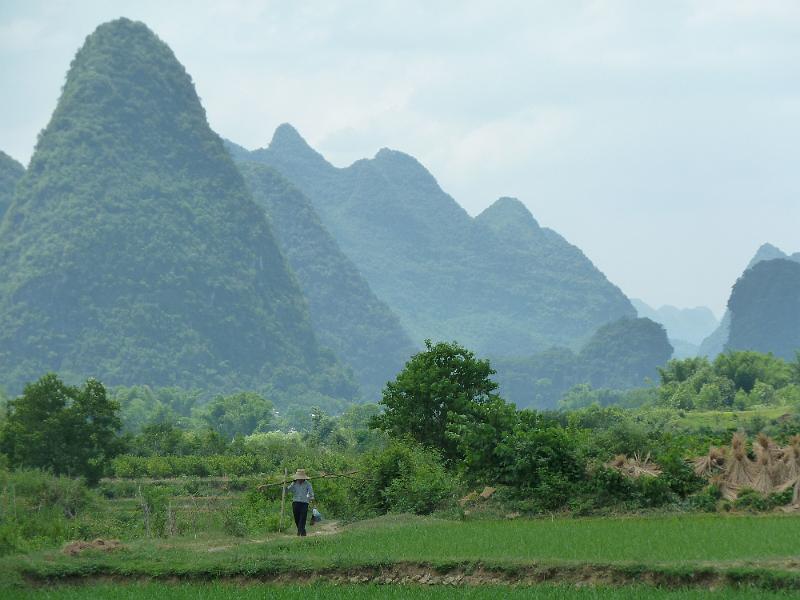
(510, 217)
(288, 145)
(766, 252)
(400, 163)
(507, 208)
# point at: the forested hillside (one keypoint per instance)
(346, 315)
(765, 309)
(134, 251)
(620, 355)
(498, 283)
(10, 173)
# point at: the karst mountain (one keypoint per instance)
(498, 283)
(134, 251)
(347, 316)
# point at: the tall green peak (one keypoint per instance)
(11, 172)
(715, 343)
(765, 309)
(134, 251)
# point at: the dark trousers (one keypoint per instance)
(300, 510)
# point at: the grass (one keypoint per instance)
(674, 550)
(727, 419)
(219, 591)
(642, 539)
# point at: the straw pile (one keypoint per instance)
(634, 467)
(774, 469)
(711, 463)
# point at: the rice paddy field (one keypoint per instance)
(685, 556)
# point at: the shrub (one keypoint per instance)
(404, 477)
(707, 499)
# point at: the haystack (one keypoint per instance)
(634, 467)
(739, 470)
(762, 473)
(711, 463)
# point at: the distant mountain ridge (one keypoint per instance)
(690, 324)
(134, 251)
(498, 283)
(346, 315)
(715, 343)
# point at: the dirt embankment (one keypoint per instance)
(476, 574)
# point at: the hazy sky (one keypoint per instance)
(660, 137)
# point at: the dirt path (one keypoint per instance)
(324, 528)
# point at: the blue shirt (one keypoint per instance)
(303, 492)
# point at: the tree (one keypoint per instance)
(67, 430)
(242, 414)
(436, 386)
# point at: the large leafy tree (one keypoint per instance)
(65, 429)
(438, 387)
(243, 413)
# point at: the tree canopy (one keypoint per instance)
(437, 385)
(65, 429)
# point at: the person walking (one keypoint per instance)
(302, 494)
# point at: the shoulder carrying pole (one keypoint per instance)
(283, 499)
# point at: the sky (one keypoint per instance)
(659, 137)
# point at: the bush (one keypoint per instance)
(707, 499)
(253, 513)
(404, 477)
(38, 509)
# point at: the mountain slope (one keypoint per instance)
(620, 355)
(134, 251)
(715, 343)
(10, 173)
(346, 315)
(765, 309)
(446, 275)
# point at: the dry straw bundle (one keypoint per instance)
(774, 469)
(710, 464)
(635, 467)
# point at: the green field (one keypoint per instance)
(701, 551)
(352, 592)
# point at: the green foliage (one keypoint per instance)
(436, 386)
(144, 405)
(737, 380)
(753, 501)
(404, 477)
(37, 508)
(65, 429)
(621, 355)
(238, 414)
